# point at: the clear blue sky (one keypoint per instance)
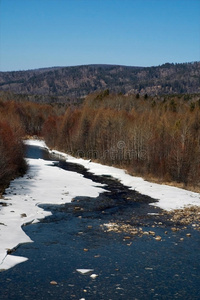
(45, 33)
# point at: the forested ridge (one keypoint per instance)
(157, 137)
(67, 84)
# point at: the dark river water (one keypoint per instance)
(133, 267)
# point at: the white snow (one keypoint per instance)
(93, 276)
(39, 143)
(84, 271)
(43, 184)
(168, 197)
(46, 184)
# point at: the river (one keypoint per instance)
(128, 267)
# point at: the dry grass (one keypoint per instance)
(164, 181)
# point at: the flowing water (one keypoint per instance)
(128, 267)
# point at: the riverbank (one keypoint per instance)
(43, 183)
(167, 197)
(179, 206)
(46, 184)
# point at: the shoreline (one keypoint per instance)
(168, 197)
(23, 196)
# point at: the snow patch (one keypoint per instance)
(46, 184)
(42, 184)
(84, 271)
(166, 197)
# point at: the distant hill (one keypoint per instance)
(62, 83)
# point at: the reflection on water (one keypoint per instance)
(37, 152)
(134, 268)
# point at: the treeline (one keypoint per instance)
(155, 137)
(17, 120)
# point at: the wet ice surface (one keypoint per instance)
(136, 268)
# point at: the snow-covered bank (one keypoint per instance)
(43, 184)
(168, 197)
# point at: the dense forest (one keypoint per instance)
(68, 84)
(157, 137)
